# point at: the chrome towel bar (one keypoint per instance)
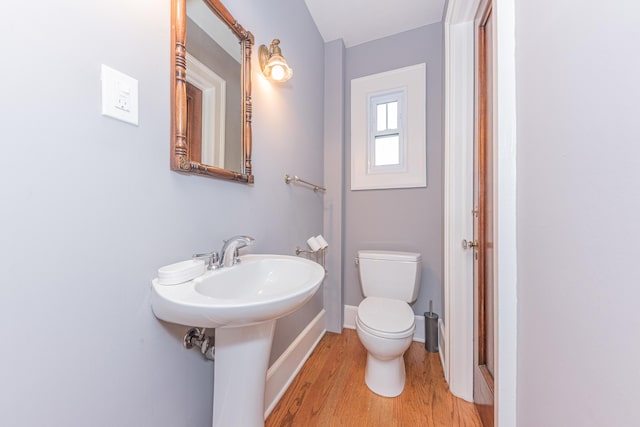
(288, 179)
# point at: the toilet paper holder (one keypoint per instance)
(318, 250)
(318, 256)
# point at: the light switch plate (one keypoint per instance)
(119, 95)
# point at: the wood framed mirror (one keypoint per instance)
(211, 91)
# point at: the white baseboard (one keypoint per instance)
(350, 312)
(420, 334)
(442, 349)
(284, 370)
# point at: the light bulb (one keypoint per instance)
(277, 72)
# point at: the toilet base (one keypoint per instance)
(385, 377)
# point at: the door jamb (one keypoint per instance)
(458, 171)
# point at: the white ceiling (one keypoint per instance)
(360, 21)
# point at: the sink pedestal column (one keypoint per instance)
(241, 362)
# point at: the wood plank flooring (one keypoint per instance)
(330, 391)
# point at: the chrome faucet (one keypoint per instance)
(229, 251)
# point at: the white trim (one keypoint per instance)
(442, 347)
(397, 96)
(214, 98)
(419, 334)
(350, 312)
(458, 337)
(284, 370)
(413, 79)
(506, 292)
(458, 196)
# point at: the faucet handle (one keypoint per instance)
(211, 258)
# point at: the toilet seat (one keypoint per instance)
(385, 317)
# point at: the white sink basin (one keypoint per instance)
(243, 302)
(258, 289)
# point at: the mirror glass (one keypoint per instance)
(213, 92)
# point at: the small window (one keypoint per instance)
(388, 129)
(386, 141)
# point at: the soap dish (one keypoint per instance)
(180, 272)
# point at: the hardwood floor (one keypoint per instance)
(330, 391)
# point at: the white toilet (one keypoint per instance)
(385, 322)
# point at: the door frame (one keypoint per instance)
(484, 205)
(458, 200)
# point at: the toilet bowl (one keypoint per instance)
(385, 322)
(385, 328)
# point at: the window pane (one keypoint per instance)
(387, 150)
(382, 117)
(392, 111)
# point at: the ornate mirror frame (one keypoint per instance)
(180, 160)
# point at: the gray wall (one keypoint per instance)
(578, 203)
(334, 88)
(90, 209)
(402, 219)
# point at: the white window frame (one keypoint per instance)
(396, 95)
(413, 79)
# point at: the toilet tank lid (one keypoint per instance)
(389, 255)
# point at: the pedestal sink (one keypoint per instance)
(242, 302)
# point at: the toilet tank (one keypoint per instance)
(390, 274)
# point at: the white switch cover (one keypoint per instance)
(119, 95)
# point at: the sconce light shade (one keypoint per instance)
(272, 63)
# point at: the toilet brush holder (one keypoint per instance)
(431, 330)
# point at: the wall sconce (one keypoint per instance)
(272, 63)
